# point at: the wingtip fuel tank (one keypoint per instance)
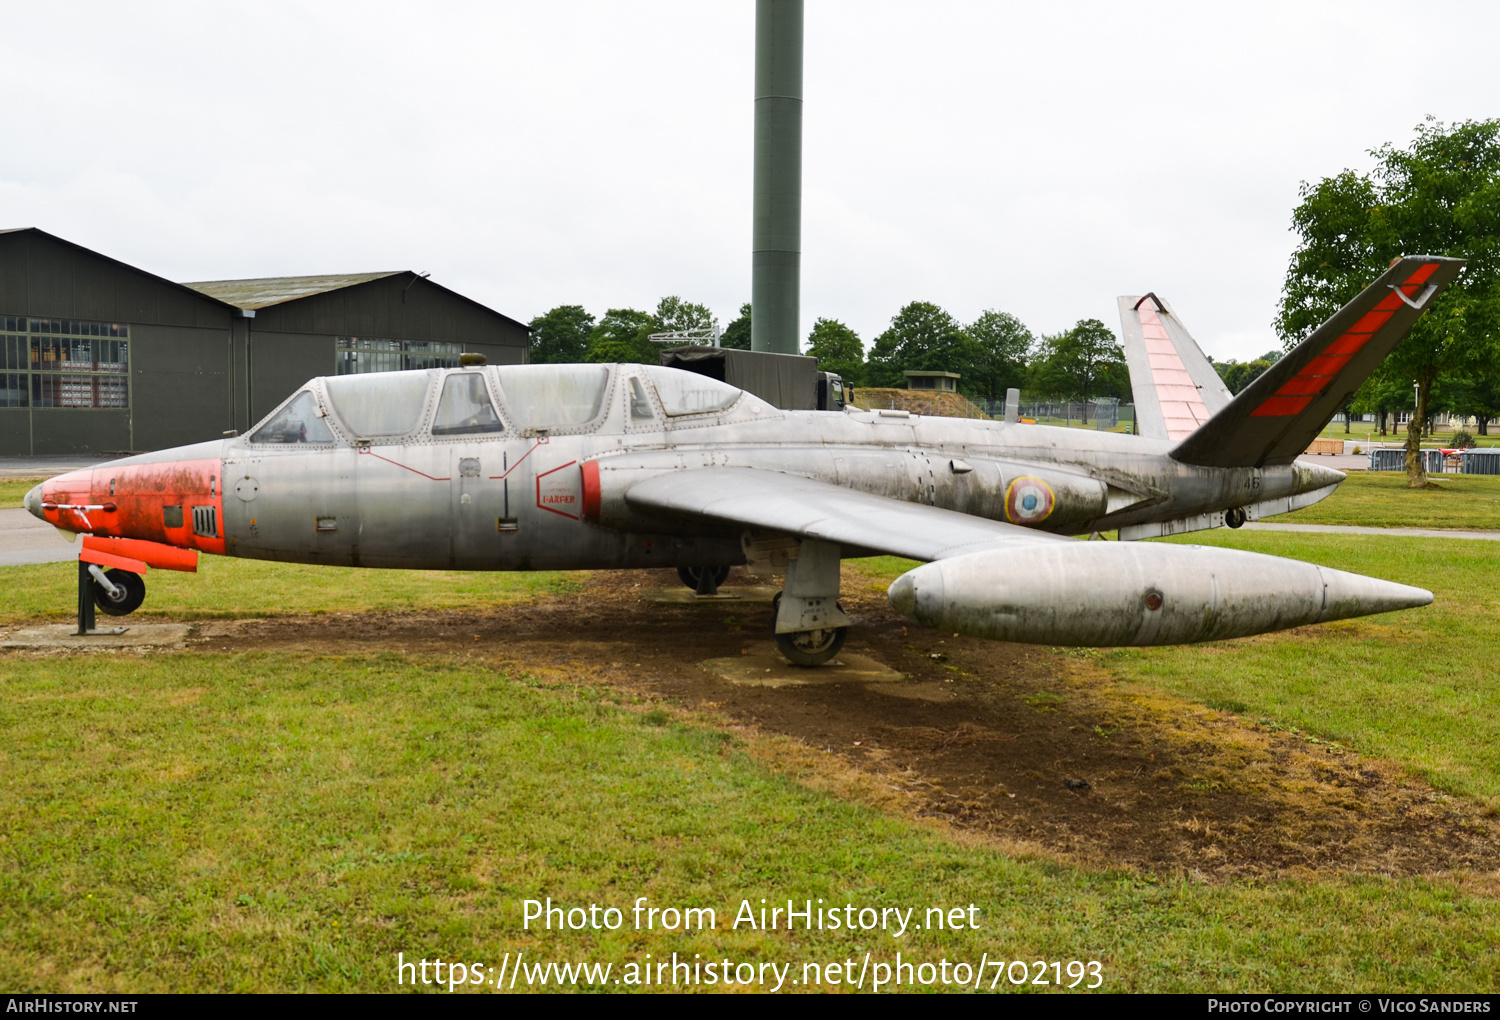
(1098, 594)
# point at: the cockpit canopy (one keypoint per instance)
(485, 402)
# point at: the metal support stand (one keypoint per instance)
(86, 610)
(85, 600)
(708, 584)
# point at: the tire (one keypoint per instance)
(1236, 517)
(689, 575)
(132, 593)
(808, 647)
(811, 647)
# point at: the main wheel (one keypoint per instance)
(1235, 517)
(131, 589)
(808, 647)
(689, 575)
(811, 647)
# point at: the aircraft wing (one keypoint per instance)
(771, 501)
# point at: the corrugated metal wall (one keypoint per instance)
(197, 368)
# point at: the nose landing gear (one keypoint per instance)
(115, 592)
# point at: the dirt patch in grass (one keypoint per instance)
(1022, 746)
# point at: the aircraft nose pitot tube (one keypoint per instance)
(1098, 594)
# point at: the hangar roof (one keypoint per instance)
(273, 290)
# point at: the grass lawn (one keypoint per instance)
(226, 588)
(1366, 433)
(269, 822)
(13, 490)
(280, 821)
(1421, 687)
(1381, 499)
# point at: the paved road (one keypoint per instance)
(1338, 461)
(24, 539)
(44, 467)
(1349, 529)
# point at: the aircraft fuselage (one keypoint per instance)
(528, 499)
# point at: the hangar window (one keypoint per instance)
(553, 396)
(387, 404)
(465, 407)
(690, 393)
(63, 363)
(360, 354)
(297, 422)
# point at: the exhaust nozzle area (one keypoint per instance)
(1098, 594)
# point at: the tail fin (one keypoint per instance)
(1273, 419)
(1176, 388)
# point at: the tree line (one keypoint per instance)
(993, 353)
(1440, 195)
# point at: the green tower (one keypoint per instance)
(776, 235)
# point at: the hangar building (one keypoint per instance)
(99, 357)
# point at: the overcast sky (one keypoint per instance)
(1034, 158)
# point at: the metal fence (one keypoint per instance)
(1480, 462)
(1387, 459)
(1101, 414)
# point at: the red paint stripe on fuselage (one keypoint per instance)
(591, 496)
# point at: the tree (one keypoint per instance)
(1078, 364)
(1004, 345)
(918, 330)
(737, 333)
(621, 335)
(1440, 196)
(1239, 374)
(1476, 395)
(838, 349)
(1385, 391)
(561, 335)
(673, 314)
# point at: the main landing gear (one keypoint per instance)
(1236, 517)
(810, 623)
(809, 647)
(704, 580)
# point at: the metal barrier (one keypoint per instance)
(1480, 462)
(1386, 459)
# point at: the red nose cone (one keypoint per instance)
(178, 502)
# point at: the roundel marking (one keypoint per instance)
(1029, 501)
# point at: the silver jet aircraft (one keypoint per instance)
(540, 467)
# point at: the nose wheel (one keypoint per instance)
(124, 595)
